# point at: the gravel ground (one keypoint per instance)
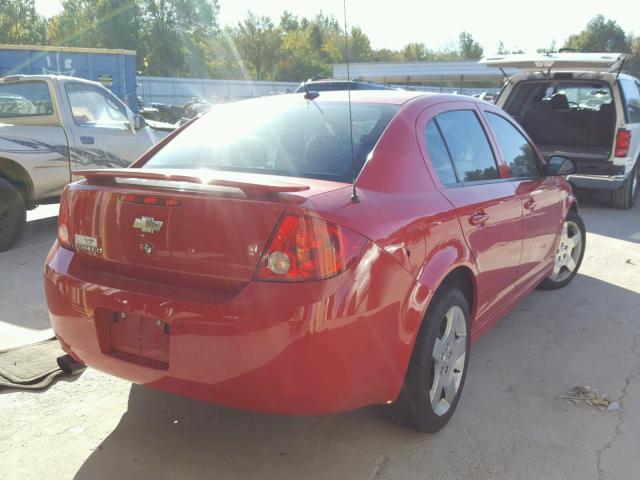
(510, 422)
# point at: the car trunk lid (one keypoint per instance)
(189, 228)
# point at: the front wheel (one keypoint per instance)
(438, 365)
(569, 253)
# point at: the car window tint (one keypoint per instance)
(468, 145)
(24, 99)
(280, 136)
(438, 154)
(92, 107)
(516, 150)
(631, 99)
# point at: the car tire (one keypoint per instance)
(423, 403)
(569, 254)
(626, 196)
(13, 215)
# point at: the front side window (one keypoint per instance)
(516, 150)
(24, 99)
(631, 100)
(287, 136)
(93, 107)
(467, 143)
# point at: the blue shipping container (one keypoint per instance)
(115, 69)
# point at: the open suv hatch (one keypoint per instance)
(581, 106)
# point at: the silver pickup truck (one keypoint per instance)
(51, 126)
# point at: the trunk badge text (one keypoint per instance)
(88, 244)
(147, 224)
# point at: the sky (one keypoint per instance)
(392, 24)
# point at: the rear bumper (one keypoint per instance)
(299, 348)
(597, 182)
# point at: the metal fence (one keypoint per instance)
(178, 91)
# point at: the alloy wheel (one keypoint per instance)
(568, 253)
(449, 352)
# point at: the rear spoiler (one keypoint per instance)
(247, 182)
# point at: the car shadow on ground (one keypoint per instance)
(560, 338)
(602, 219)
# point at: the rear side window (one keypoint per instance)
(25, 99)
(631, 100)
(438, 154)
(468, 146)
(286, 136)
(516, 150)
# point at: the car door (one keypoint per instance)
(101, 129)
(467, 172)
(539, 195)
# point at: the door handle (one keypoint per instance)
(87, 140)
(530, 204)
(479, 218)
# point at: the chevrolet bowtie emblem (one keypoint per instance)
(147, 224)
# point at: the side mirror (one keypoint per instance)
(139, 122)
(559, 165)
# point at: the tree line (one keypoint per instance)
(183, 38)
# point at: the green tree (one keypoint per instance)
(415, 52)
(21, 24)
(632, 64)
(258, 41)
(600, 35)
(386, 55)
(176, 35)
(76, 25)
(469, 49)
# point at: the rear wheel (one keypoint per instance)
(438, 366)
(13, 215)
(569, 254)
(626, 196)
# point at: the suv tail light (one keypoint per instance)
(623, 140)
(308, 248)
(64, 237)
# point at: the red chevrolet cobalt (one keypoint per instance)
(301, 254)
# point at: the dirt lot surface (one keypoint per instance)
(510, 423)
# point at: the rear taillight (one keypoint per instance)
(623, 140)
(308, 248)
(64, 237)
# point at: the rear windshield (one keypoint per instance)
(24, 99)
(284, 135)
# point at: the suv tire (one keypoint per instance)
(13, 215)
(626, 196)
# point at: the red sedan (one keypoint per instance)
(302, 255)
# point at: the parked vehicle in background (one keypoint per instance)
(579, 105)
(334, 85)
(51, 126)
(236, 263)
